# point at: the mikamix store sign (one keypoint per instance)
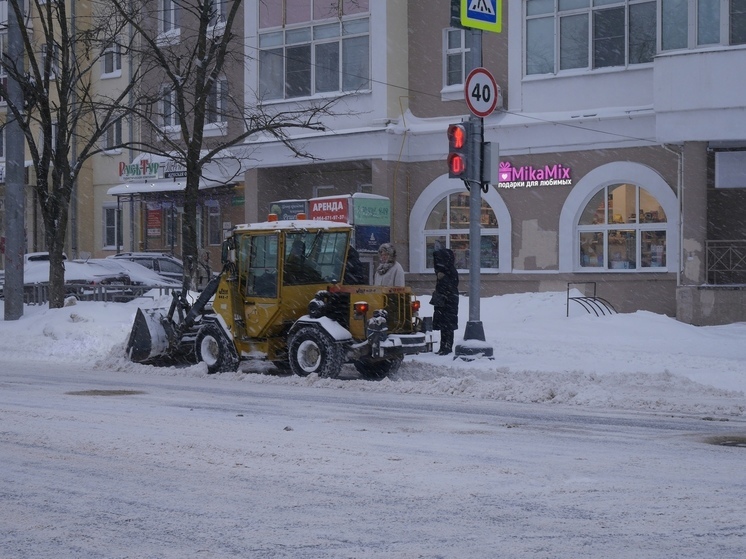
(529, 176)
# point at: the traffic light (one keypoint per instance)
(459, 153)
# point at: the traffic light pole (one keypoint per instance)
(474, 344)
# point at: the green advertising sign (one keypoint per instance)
(371, 211)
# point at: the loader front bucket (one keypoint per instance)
(148, 338)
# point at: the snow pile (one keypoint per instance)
(627, 361)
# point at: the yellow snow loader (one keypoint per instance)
(282, 297)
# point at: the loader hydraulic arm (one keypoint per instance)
(199, 305)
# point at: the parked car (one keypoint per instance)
(138, 274)
(163, 264)
(81, 274)
(77, 273)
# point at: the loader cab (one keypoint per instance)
(280, 266)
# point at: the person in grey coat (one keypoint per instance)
(389, 271)
(445, 298)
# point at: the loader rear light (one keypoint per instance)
(300, 216)
(361, 309)
(415, 306)
(272, 217)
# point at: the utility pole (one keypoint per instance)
(14, 177)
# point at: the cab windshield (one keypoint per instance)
(314, 257)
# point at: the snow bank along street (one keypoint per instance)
(585, 437)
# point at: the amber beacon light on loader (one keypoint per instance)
(282, 297)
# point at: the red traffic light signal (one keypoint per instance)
(458, 150)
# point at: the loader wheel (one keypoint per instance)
(314, 351)
(378, 370)
(215, 349)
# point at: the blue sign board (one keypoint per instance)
(368, 238)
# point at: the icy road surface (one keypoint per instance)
(101, 464)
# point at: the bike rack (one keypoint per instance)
(593, 303)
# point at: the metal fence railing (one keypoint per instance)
(725, 262)
(38, 294)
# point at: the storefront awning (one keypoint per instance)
(151, 173)
(158, 186)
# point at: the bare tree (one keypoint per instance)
(177, 101)
(62, 118)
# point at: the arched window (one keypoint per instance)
(620, 216)
(623, 227)
(430, 220)
(447, 225)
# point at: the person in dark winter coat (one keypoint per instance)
(355, 273)
(445, 298)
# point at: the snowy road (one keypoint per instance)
(214, 467)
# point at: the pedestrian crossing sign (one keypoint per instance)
(482, 14)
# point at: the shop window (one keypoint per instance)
(622, 227)
(112, 227)
(214, 226)
(172, 227)
(448, 225)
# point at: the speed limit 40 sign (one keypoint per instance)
(481, 92)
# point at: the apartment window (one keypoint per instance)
(219, 11)
(623, 227)
(112, 227)
(454, 63)
(111, 61)
(582, 34)
(447, 226)
(217, 103)
(2, 143)
(3, 50)
(54, 68)
(737, 22)
(113, 135)
(693, 23)
(168, 107)
(169, 15)
(313, 47)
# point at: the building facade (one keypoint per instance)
(620, 130)
(140, 194)
(612, 160)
